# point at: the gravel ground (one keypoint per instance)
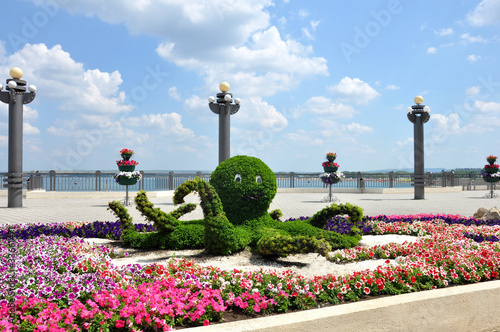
(308, 265)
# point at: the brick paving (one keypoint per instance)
(291, 204)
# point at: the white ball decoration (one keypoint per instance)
(32, 88)
(227, 97)
(237, 101)
(211, 99)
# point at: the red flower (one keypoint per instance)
(366, 290)
(148, 271)
(119, 324)
(340, 296)
(206, 322)
(413, 279)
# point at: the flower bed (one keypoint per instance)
(53, 283)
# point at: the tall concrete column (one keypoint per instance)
(418, 114)
(16, 97)
(224, 108)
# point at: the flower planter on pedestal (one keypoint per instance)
(331, 158)
(330, 169)
(126, 156)
(328, 180)
(490, 175)
(126, 168)
(491, 170)
(491, 180)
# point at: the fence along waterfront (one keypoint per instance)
(103, 181)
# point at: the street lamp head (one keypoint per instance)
(224, 87)
(427, 109)
(211, 99)
(16, 73)
(418, 100)
(12, 84)
(227, 97)
(32, 88)
(237, 101)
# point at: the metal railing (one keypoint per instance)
(103, 181)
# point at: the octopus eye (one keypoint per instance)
(258, 179)
(237, 178)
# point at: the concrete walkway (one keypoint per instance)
(93, 206)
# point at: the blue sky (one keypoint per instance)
(313, 76)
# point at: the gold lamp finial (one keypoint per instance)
(418, 100)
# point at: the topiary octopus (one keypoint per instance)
(235, 207)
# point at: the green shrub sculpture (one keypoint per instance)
(235, 207)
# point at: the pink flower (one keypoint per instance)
(119, 324)
(206, 322)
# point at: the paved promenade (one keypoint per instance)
(291, 204)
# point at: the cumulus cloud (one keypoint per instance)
(487, 107)
(473, 58)
(392, 87)
(355, 90)
(444, 32)
(431, 50)
(467, 38)
(64, 80)
(325, 107)
(252, 53)
(486, 12)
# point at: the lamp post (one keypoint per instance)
(224, 108)
(16, 97)
(418, 115)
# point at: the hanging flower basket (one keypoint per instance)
(127, 178)
(126, 153)
(490, 170)
(488, 179)
(331, 178)
(330, 156)
(126, 168)
(330, 169)
(127, 181)
(491, 159)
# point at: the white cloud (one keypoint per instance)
(355, 90)
(28, 129)
(473, 90)
(250, 51)
(303, 13)
(467, 38)
(358, 128)
(431, 50)
(445, 124)
(173, 93)
(392, 87)
(309, 33)
(487, 12)
(487, 107)
(473, 58)
(301, 138)
(444, 32)
(326, 107)
(407, 142)
(4, 140)
(256, 114)
(60, 78)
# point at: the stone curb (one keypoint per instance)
(463, 308)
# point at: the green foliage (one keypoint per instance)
(242, 189)
(187, 236)
(163, 222)
(283, 245)
(320, 219)
(246, 186)
(122, 213)
(210, 201)
(276, 214)
(223, 238)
